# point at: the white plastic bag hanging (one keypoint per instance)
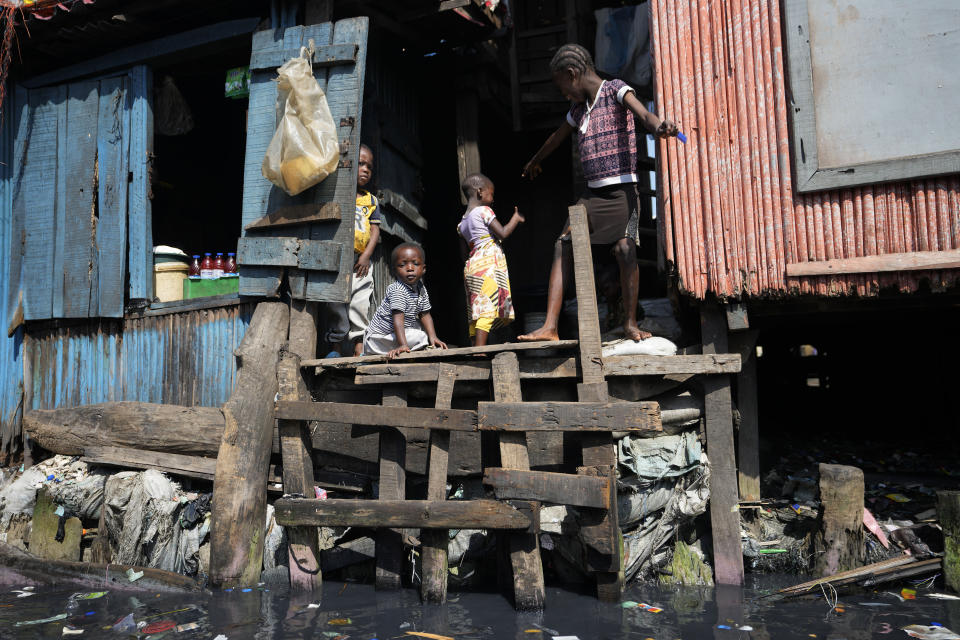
(304, 148)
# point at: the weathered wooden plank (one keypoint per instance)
(140, 225)
(588, 320)
(914, 261)
(374, 415)
(191, 466)
(34, 199)
(724, 515)
(550, 368)
(444, 354)
(113, 152)
(522, 548)
(321, 255)
(393, 486)
(326, 55)
(239, 503)
(423, 514)
(572, 416)
(547, 486)
(295, 445)
(74, 285)
(297, 214)
(748, 434)
(179, 43)
(433, 551)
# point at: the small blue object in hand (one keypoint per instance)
(681, 137)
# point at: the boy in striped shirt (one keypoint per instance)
(403, 322)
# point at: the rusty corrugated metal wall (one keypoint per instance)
(730, 217)
(176, 358)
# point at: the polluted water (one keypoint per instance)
(359, 612)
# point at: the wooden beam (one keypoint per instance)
(375, 415)
(239, 488)
(724, 515)
(748, 435)
(551, 368)
(433, 550)
(423, 514)
(393, 486)
(149, 51)
(568, 416)
(190, 466)
(914, 261)
(440, 354)
(303, 548)
(327, 55)
(523, 548)
(316, 255)
(546, 486)
(602, 536)
(297, 214)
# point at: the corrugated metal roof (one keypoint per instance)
(732, 220)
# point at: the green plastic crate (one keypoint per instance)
(204, 288)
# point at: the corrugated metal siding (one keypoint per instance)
(731, 218)
(179, 358)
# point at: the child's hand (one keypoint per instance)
(362, 267)
(439, 344)
(393, 353)
(532, 169)
(518, 215)
(667, 128)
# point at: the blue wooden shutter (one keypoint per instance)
(70, 197)
(321, 263)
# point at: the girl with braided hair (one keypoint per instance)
(604, 115)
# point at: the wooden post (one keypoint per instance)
(434, 542)
(240, 482)
(724, 514)
(605, 554)
(295, 444)
(393, 486)
(523, 548)
(468, 152)
(839, 543)
(748, 437)
(948, 512)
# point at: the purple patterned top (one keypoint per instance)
(607, 137)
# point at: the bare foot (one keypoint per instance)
(358, 348)
(540, 335)
(633, 332)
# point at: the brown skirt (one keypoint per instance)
(613, 213)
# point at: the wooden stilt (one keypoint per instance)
(748, 437)
(468, 152)
(393, 482)
(839, 543)
(295, 445)
(433, 550)
(602, 531)
(724, 514)
(240, 483)
(523, 548)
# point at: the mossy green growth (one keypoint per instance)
(686, 568)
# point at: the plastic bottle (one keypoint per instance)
(230, 266)
(194, 273)
(218, 266)
(206, 267)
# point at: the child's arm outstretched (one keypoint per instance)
(654, 125)
(400, 331)
(427, 321)
(532, 168)
(502, 232)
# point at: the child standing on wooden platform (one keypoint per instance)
(604, 115)
(350, 319)
(403, 322)
(485, 275)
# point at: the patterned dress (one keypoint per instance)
(485, 274)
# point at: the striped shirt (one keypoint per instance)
(413, 301)
(607, 137)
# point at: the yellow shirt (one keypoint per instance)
(367, 213)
